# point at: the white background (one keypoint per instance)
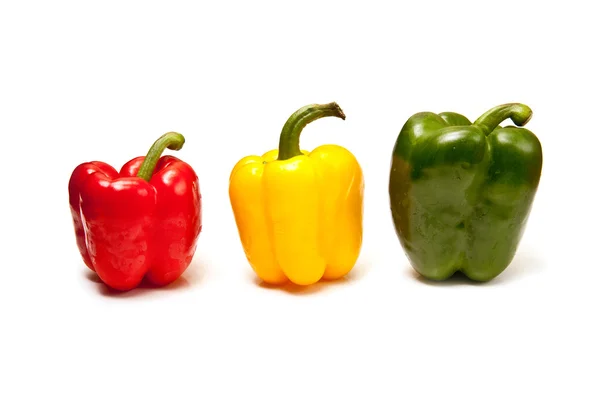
(84, 81)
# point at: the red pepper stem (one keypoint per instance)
(170, 140)
(520, 114)
(289, 140)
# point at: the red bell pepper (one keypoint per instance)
(141, 222)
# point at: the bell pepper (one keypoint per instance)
(140, 222)
(461, 192)
(299, 213)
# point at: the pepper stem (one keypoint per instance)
(289, 140)
(520, 114)
(171, 140)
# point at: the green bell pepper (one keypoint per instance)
(461, 192)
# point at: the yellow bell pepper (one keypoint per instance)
(299, 214)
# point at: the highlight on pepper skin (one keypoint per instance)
(142, 222)
(299, 213)
(461, 192)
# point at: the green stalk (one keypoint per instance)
(289, 140)
(520, 114)
(170, 140)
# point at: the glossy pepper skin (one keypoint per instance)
(461, 192)
(299, 213)
(140, 222)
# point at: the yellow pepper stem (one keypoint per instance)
(289, 140)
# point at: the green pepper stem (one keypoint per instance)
(289, 140)
(520, 114)
(171, 140)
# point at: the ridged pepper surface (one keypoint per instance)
(141, 222)
(461, 192)
(299, 213)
